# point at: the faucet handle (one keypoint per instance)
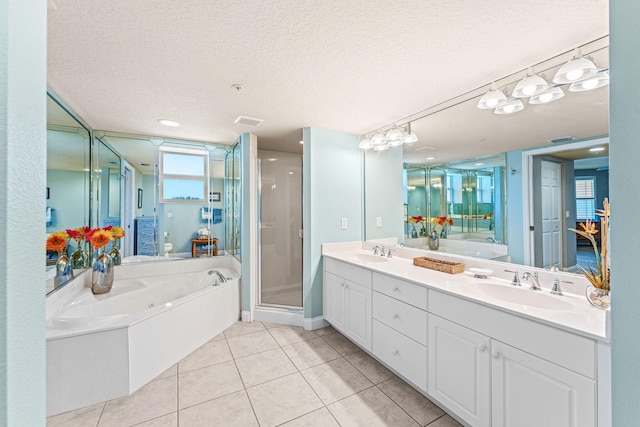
(556, 290)
(516, 279)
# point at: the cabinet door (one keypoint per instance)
(459, 370)
(358, 314)
(529, 391)
(334, 301)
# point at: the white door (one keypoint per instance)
(552, 230)
(358, 313)
(459, 370)
(529, 391)
(334, 300)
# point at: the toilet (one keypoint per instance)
(167, 248)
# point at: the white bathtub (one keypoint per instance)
(100, 347)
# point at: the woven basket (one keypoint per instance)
(439, 265)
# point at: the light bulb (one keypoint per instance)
(589, 84)
(546, 97)
(492, 103)
(529, 90)
(574, 75)
(509, 108)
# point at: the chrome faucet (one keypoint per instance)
(533, 278)
(219, 277)
(378, 250)
(492, 240)
(516, 280)
(556, 290)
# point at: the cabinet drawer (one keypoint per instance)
(402, 317)
(402, 354)
(410, 293)
(358, 275)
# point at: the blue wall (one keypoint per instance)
(383, 179)
(514, 214)
(624, 158)
(332, 183)
(67, 199)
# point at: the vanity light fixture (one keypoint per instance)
(393, 135)
(576, 69)
(549, 95)
(366, 143)
(492, 99)
(599, 80)
(409, 137)
(381, 147)
(510, 107)
(529, 86)
(169, 123)
(378, 138)
(596, 149)
(431, 158)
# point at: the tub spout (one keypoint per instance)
(221, 277)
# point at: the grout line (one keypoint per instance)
(104, 405)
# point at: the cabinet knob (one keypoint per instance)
(482, 347)
(495, 354)
(395, 352)
(396, 289)
(395, 316)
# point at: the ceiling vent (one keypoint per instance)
(249, 121)
(561, 140)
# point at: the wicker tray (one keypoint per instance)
(440, 265)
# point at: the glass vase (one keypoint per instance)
(102, 274)
(434, 241)
(64, 271)
(598, 297)
(79, 258)
(114, 253)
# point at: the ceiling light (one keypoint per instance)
(395, 143)
(381, 147)
(366, 143)
(510, 107)
(170, 123)
(578, 68)
(479, 164)
(394, 134)
(595, 82)
(596, 149)
(492, 99)
(549, 95)
(378, 139)
(431, 158)
(529, 86)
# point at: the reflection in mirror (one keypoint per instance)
(174, 229)
(68, 174)
(457, 129)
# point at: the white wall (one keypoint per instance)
(23, 117)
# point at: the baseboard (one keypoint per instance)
(313, 323)
(246, 316)
(278, 315)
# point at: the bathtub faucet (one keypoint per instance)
(221, 277)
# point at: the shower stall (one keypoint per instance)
(280, 220)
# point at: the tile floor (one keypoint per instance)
(262, 374)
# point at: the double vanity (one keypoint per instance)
(490, 353)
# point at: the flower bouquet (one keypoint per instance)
(599, 277)
(57, 241)
(414, 220)
(441, 222)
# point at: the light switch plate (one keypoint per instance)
(344, 223)
(379, 221)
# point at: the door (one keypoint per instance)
(280, 240)
(358, 313)
(128, 215)
(551, 206)
(529, 391)
(459, 370)
(334, 300)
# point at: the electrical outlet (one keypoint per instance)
(344, 223)
(169, 214)
(379, 221)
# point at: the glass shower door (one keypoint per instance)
(280, 229)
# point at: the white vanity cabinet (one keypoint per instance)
(347, 300)
(489, 383)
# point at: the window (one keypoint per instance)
(484, 189)
(183, 175)
(454, 188)
(585, 198)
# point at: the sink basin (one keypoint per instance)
(370, 258)
(522, 296)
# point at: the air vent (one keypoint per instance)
(561, 140)
(249, 121)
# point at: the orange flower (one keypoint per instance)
(118, 232)
(57, 241)
(100, 238)
(589, 227)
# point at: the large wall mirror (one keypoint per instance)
(68, 177)
(484, 169)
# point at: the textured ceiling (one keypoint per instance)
(351, 66)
